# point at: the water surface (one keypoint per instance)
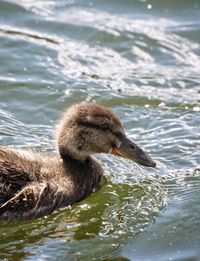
(142, 60)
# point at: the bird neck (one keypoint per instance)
(85, 173)
(68, 155)
(69, 147)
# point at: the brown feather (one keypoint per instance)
(33, 185)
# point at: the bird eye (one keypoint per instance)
(104, 126)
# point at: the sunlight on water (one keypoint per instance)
(142, 60)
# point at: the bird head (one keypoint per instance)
(88, 128)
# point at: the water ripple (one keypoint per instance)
(143, 63)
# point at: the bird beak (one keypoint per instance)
(130, 150)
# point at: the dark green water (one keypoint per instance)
(141, 59)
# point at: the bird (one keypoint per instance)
(34, 184)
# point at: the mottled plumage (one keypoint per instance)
(33, 184)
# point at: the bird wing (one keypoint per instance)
(33, 201)
(15, 173)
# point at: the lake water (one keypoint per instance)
(142, 60)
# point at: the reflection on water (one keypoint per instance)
(142, 60)
(175, 235)
(114, 215)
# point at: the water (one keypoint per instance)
(141, 59)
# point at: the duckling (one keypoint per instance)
(33, 184)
